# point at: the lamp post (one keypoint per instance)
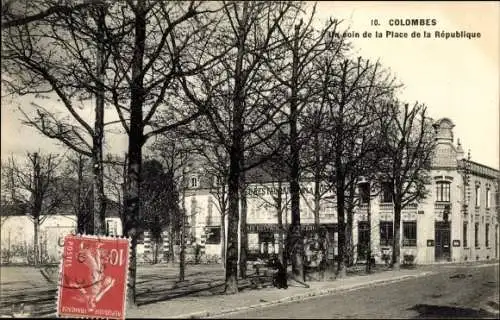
(364, 185)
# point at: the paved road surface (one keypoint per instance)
(453, 293)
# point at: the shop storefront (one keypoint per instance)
(263, 239)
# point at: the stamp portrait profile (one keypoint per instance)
(93, 277)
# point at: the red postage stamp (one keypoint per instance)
(93, 277)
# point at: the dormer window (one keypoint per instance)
(194, 182)
(443, 191)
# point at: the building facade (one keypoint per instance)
(17, 236)
(457, 221)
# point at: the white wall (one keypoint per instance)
(18, 231)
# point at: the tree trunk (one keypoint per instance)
(97, 167)
(136, 140)
(80, 211)
(349, 236)
(349, 241)
(317, 180)
(396, 245)
(223, 237)
(317, 202)
(235, 157)
(279, 214)
(171, 256)
(341, 270)
(182, 253)
(231, 285)
(243, 225)
(36, 251)
(295, 235)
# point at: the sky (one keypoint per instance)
(457, 78)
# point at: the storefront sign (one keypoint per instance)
(456, 243)
(270, 227)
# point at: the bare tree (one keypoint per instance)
(77, 165)
(293, 67)
(152, 41)
(62, 57)
(408, 145)
(35, 184)
(316, 154)
(15, 13)
(279, 198)
(115, 175)
(174, 152)
(352, 91)
(216, 164)
(247, 31)
(157, 201)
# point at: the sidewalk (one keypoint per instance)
(161, 295)
(216, 305)
(492, 305)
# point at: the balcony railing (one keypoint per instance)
(409, 242)
(386, 207)
(442, 205)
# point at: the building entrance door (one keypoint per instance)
(442, 241)
(363, 243)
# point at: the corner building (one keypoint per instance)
(458, 221)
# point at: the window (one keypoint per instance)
(464, 234)
(487, 236)
(194, 182)
(364, 190)
(443, 191)
(266, 243)
(213, 235)
(478, 195)
(386, 233)
(387, 192)
(476, 234)
(488, 198)
(409, 233)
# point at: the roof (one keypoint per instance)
(12, 209)
(480, 169)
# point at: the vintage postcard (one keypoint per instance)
(250, 159)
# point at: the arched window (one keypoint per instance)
(443, 191)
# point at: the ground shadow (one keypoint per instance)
(198, 288)
(29, 303)
(155, 277)
(427, 311)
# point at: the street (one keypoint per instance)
(456, 291)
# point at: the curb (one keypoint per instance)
(491, 306)
(304, 296)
